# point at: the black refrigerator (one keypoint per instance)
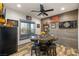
(8, 40)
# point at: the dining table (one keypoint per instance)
(46, 37)
(44, 42)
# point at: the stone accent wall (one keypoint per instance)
(67, 37)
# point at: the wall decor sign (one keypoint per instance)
(53, 26)
(54, 19)
(28, 17)
(68, 24)
(38, 25)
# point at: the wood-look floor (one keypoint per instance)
(25, 50)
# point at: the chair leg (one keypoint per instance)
(48, 52)
(37, 52)
(54, 51)
(31, 52)
(51, 51)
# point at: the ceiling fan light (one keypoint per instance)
(41, 16)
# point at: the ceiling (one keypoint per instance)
(27, 7)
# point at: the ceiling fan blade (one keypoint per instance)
(45, 14)
(39, 14)
(49, 10)
(41, 7)
(35, 11)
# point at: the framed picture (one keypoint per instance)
(53, 26)
(68, 24)
(28, 17)
(38, 25)
(13, 22)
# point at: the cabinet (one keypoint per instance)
(46, 28)
(27, 28)
(8, 40)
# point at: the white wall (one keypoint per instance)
(15, 15)
(37, 21)
(12, 14)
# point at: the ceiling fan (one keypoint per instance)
(42, 10)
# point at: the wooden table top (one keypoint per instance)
(45, 38)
